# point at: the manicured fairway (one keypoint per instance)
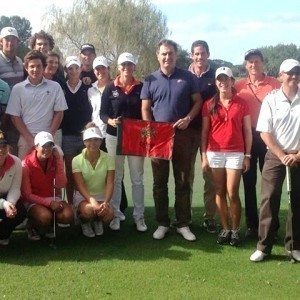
(130, 265)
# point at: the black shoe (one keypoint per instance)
(224, 237)
(235, 238)
(251, 233)
(210, 225)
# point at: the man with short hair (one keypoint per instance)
(279, 127)
(171, 94)
(11, 71)
(11, 66)
(253, 89)
(87, 56)
(36, 104)
(205, 75)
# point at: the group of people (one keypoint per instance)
(67, 118)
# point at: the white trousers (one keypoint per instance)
(136, 171)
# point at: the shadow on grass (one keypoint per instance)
(126, 244)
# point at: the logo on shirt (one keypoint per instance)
(48, 92)
(179, 80)
(115, 93)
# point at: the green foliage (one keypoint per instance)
(23, 27)
(112, 27)
(275, 55)
(183, 60)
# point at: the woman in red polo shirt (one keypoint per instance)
(226, 144)
(43, 172)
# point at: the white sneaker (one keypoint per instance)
(115, 224)
(186, 233)
(4, 242)
(258, 256)
(87, 230)
(98, 228)
(140, 225)
(160, 232)
(122, 217)
(295, 254)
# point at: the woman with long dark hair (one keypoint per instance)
(226, 144)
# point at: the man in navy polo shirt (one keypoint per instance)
(171, 94)
(205, 74)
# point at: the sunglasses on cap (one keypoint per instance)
(293, 72)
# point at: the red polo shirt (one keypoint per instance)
(226, 125)
(37, 184)
(254, 95)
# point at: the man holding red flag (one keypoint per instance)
(170, 94)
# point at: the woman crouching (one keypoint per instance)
(94, 173)
(12, 212)
(43, 173)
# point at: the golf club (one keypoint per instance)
(52, 244)
(289, 189)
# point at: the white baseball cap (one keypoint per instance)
(289, 64)
(126, 57)
(100, 61)
(7, 31)
(225, 71)
(43, 138)
(92, 133)
(72, 60)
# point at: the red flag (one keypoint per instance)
(145, 138)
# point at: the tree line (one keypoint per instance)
(115, 26)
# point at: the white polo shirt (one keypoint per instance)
(282, 119)
(95, 95)
(36, 104)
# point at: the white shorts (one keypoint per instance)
(78, 198)
(227, 160)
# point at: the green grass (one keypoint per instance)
(128, 264)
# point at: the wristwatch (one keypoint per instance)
(248, 155)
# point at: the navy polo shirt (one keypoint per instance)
(207, 84)
(170, 95)
(207, 87)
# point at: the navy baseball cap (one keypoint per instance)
(87, 47)
(253, 52)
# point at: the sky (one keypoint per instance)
(230, 27)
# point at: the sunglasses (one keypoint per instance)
(49, 145)
(127, 64)
(293, 72)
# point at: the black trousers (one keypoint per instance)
(7, 225)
